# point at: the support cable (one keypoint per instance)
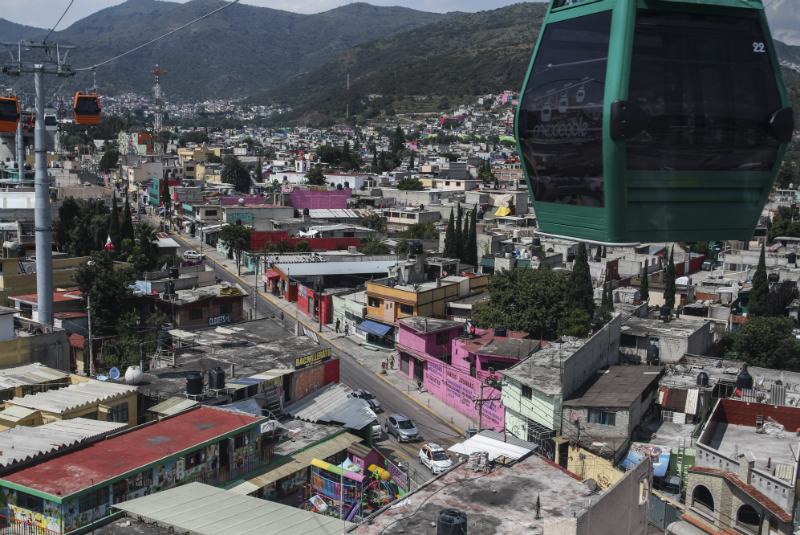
(226, 6)
(59, 20)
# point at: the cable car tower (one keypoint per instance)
(158, 117)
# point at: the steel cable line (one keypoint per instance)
(93, 67)
(59, 21)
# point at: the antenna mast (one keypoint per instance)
(159, 112)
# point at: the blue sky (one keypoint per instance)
(784, 15)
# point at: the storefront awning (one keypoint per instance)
(272, 275)
(371, 327)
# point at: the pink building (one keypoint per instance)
(452, 366)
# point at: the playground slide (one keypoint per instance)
(352, 511)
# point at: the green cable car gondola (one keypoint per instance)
(652, 120)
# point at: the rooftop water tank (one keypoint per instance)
(702, 379)
(537, 241)
(451, 522)
(665, 311)
(792, 258)
(744, 380)
(415, 248)
(216, 379)
(174, 272)
(194, 384)
(596, 324)
(652, 354)
(570, 257)
(773, 277)
(500, 330)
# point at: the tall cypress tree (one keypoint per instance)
(450, 237)
(259, 172)
(604, 252)
(465, 247)
(669, 282)
(114, 231)
(644, 289)
(610, 297)
(458, 243)
(166, 198)
(126, 229)
(472, 242)
(580, 293)
(758, 305)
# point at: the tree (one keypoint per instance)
(398, 141)
(237, 238)
(410, 184)
(420, 231)
(780, 297)
(82, 226)
(758, 304)
(580, 293)
(126, 229)
(315, 177)
(644, 288)
(669, 280)
(259, 172)
(284, 246)
(302, 247)
(133, 344)
(471, 256)
(213, 158)
(458, 240)
(235, 173)
(145, 237)
(109, 160)
(373, 244)
(525, 300)
(576, 324)
(166, 198)
(114, 230)
(450, 250)
(604, 253)
(107, 287)
(374, 222)
(766, 342)
(403, 246)
(702, 247)
(786, 175)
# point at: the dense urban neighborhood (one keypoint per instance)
(302, 307)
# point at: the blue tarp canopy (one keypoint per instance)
(660, 455)
(378, 329)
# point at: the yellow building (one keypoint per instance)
(21, 381)
(210, 172)
(84, 398)
(12, 282)
(387, 302)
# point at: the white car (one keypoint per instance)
(435, 458)
(191, 254)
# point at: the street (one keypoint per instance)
(355, 376)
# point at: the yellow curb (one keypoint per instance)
(412, 398)
(262, 294)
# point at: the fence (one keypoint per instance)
(662, 513)
(12, 526)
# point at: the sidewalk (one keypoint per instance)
(350, 344)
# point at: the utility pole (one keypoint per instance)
(48, 61)
(492, 382)
(159, 111)
(91, 351)
(20, 152)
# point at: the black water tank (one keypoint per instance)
(174, 272)
(665, 311)
(570, 257)
(346, 184)
(451, 522)
(773, 277)
(421, 207)
(479, 215)
(415, 248)
(792, 258)
(596, 259)
(537, 241)
(216, 379)
(338, 186)
(652, 354)
(744, 380)
(702, 379)
(305, 211)
(194, 384)
(596, 324)
(164, 340)
(169, 287)
(500, 330)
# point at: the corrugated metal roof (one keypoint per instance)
(29, 374)
(784, 471)
(509, 439)
(338, 213)
(203, 509)
(298, 269)
(173, 406)
(332, 404)
(300, 460)
(21, 443)
(14, 413)
(495, 448)
(79, 395)
(359, 449)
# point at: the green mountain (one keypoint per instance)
(11, 32)
(236, 52)
(788, 52)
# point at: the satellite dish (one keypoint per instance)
(113, 373)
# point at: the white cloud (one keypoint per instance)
(784, 20)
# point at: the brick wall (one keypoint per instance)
(308, 381)
(208, 307)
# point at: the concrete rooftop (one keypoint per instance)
(676, 328)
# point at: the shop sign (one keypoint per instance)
(219, 320)
(323, 355)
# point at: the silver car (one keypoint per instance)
(402, 428)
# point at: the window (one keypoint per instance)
(374, 302)
(120, 491)
(189, 168)
(209, 213)
(602, 417)
(142, 480)
(561, 112)
(195, 458)
(705, 91)
(30, 502)
(89, 415)
(747, 517)
(226, 308)
(447, 183)
(240, 440)
(407, 310)
(627, 340)
(196, 314)
(527, 392)
(118, 413)
(441, 338)
(92, 500)
(702, 499)
(644, 491)
(458, 183)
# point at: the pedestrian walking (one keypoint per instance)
(346, 328)
(337, 325)
(391, 362)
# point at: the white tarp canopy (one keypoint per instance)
(495, 448)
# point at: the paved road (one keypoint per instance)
(356, 376)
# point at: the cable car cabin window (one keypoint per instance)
(87, 106)
(8, 110)
(707, 89)
(561, 117)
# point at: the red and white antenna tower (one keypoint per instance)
(159, 111)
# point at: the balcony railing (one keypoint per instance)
(12, 526)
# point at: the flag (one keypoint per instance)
(164, 268)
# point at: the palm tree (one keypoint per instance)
(234, 172)
(145, 236)
(374, 244)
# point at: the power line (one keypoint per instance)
(59, 20)
(226, 6)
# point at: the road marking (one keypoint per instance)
(265, 296)
(412, 398)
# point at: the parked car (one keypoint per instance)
(377, 432)
(368, 397)
(402, 428)
(191, 254)
(435, 458)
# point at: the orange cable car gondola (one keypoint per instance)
(86, 108)
(9, 114)
(28, 123)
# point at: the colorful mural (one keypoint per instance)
(459, 390)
